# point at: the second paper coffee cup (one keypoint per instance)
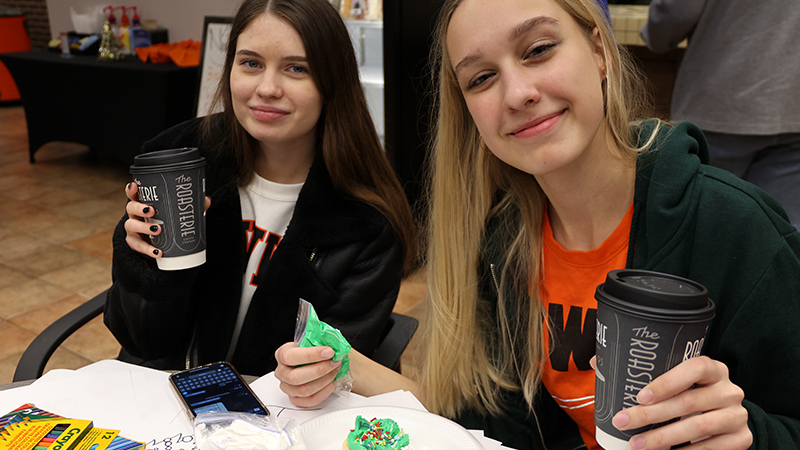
(647, 323)
(173, 183)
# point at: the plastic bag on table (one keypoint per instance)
(215, 430)
(312, 332)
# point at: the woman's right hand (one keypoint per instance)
(306, 373)
(137, 229)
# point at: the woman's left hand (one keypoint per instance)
(699, 392)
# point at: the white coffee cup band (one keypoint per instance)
(181, 262)
(609, 442)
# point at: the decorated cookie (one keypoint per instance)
(376, 434)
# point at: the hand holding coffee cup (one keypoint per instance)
(647, 323)
(168, 206)
(651, 329)
(139, 231)
(700, 393)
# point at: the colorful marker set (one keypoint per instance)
(30, 434)
(39, 434)
(51, 436)
(30, 428)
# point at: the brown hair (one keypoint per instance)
(351, 149)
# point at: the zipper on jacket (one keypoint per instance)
(511, 343)
(313, 255)
(494, 280)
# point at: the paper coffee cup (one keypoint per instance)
(173, 183)
(647, 323)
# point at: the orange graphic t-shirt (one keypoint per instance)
(570, 281)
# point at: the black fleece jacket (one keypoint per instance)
(339, 254)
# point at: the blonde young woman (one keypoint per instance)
(542, 182)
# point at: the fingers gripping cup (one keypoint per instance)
(173, 182)
(647, 323)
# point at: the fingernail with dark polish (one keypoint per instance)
(146, 209)
(155, 252)
(153, 228)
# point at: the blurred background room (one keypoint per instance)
(71, 120)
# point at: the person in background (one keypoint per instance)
(303, 204)
(737, 81)
(544, 179)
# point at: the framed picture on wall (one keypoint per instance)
(212, 60)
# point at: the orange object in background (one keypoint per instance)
(183, 54)
(13, 38)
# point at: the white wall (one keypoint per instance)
(183, 18)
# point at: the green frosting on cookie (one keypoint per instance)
(376, 434)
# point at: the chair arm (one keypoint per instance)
(35, 357)
(401, 329)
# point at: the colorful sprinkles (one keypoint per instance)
(376, 434)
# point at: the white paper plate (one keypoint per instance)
(328, 431)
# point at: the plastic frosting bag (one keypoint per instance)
(215, 430)
(312, 332)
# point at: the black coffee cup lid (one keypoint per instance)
(655, 290)
(163, 160)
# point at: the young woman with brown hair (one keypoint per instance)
(303, 204)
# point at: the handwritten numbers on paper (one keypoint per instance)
(179, 441)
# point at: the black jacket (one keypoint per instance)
(339, 254)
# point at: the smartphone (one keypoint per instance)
(215, 387)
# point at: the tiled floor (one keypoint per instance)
(56, 220)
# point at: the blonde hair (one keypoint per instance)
(470, 357)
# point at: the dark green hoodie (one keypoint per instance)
(705, 224)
